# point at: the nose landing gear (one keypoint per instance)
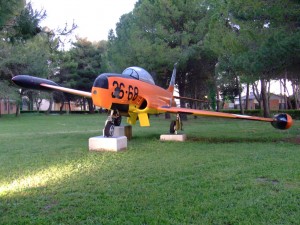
(176, 125)
(114, 119)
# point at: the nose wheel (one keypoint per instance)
(114, 119)
(109, 129)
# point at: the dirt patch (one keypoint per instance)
(267, 180)
(295, 140)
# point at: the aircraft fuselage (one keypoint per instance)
(126, 94)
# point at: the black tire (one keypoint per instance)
(172, 127)
(109, 129)
(117, 121)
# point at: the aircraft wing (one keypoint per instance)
(281, 121)
(68, 90)
(190, 99)
(37, 83)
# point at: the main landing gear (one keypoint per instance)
(176, 125)
(114, 119)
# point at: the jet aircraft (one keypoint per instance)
(134, 94)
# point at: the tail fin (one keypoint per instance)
(172, 82)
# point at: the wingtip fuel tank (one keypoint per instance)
(31, 82)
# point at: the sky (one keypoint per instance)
(94, 17)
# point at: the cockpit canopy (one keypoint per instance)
(139, 74)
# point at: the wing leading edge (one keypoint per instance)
(281, 121)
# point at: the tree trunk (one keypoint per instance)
(38, 104)
(289, 103)
(17, 109)
(296, 94)
(61, 107)
(240, 95)
(285, 90)
(281, 95)
(247, 97)
(50, 104)
(91, 105)
(30, 97)
(212, 98)
(69, 104)
(268, 84)
(256, 94)
(181, 90)
(218, 99)
(264, 98)
(84, 106)
(8, 106)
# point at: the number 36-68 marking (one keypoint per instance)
(120, 91)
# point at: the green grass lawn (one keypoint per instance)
(227, 172)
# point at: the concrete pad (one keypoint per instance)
(123, 131)
(173, 137)
(101, 143)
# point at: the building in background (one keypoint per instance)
(7, 106)
(276, 102)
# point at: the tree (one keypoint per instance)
(159, 33)
(30, 58)
(259, 38)
(27, 47)
(26, 24)
(16, 25)
(82, 64)
(8, 9)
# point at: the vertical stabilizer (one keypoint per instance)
(172, 82)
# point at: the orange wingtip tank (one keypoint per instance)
(282, 121)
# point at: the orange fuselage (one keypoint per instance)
(129, 95)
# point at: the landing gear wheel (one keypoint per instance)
(117, 121)
(109, 129)
(173, 127)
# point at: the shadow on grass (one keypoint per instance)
(242, 140)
